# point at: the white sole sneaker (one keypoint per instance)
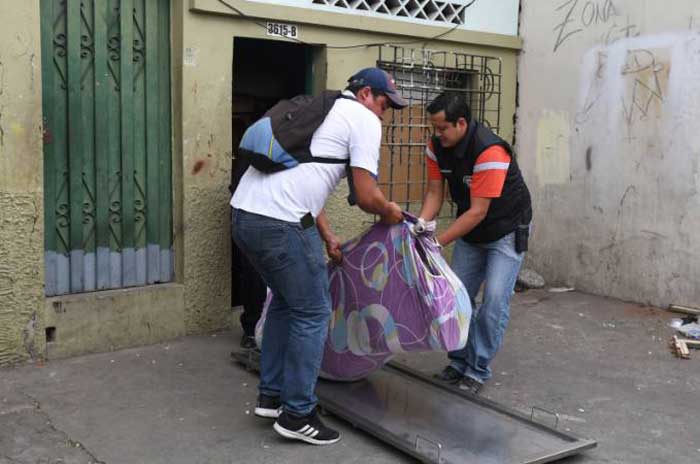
(268, 413)
(291, 434)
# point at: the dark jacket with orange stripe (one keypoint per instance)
(506, 212)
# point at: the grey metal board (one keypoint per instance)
(441, 424)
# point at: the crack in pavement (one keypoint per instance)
(69, 440)
(7, 458)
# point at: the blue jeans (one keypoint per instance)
(291, 261)
(497, 264)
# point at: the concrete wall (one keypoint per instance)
(113, 319)
(609, 138)
(21, 201)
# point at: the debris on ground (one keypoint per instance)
(681, 347)
(688, 326)
(528, 278)
(561, 289)
(684, 309)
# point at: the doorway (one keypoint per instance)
(265, 72)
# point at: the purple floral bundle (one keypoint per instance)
(393, 293)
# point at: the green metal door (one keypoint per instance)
(107, 151)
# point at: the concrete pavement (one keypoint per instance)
(603, 365)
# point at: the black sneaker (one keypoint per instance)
(449, 375)
(471, 385)
(268, 406)
(248, 343)
(308, 428)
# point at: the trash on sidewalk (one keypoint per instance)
(680, 347)
(528, 278)
(561, 289)
(689, 327)
(684, 309)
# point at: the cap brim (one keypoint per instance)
(396, 101)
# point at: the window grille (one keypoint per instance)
(453, 11)
(420, 76)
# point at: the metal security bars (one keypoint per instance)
(420, 76)
(444, 11)
(107, 154)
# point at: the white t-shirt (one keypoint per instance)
(350, 129)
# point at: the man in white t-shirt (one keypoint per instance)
(279, 223)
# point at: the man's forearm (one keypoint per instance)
(324, 226)
(332, 241)
(432, 203)
(461, 226)
(373, 202)
(369, 197)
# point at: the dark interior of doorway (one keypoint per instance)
(265, 72)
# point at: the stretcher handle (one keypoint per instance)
(436, 444)
(556, 416)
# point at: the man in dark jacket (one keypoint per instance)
(490, 231)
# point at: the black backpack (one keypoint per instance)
(281, 138)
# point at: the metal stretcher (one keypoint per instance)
(437, 423)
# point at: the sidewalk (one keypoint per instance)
(603, 365)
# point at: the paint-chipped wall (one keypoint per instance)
(609, 138)
(203, 58)
(21, 210)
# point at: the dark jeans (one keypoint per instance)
(497, 265)
(248, 288)
(253, 292)
(291, 261)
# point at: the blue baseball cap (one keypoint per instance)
(379, 80)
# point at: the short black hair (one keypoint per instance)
(357, 87)
(454, 105)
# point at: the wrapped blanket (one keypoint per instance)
(393, 293)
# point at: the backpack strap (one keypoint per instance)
(320, 159)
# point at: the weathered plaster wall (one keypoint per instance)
(609, 138)
(206, 56)
(21, 210)
(113, 319)
(206, 150)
